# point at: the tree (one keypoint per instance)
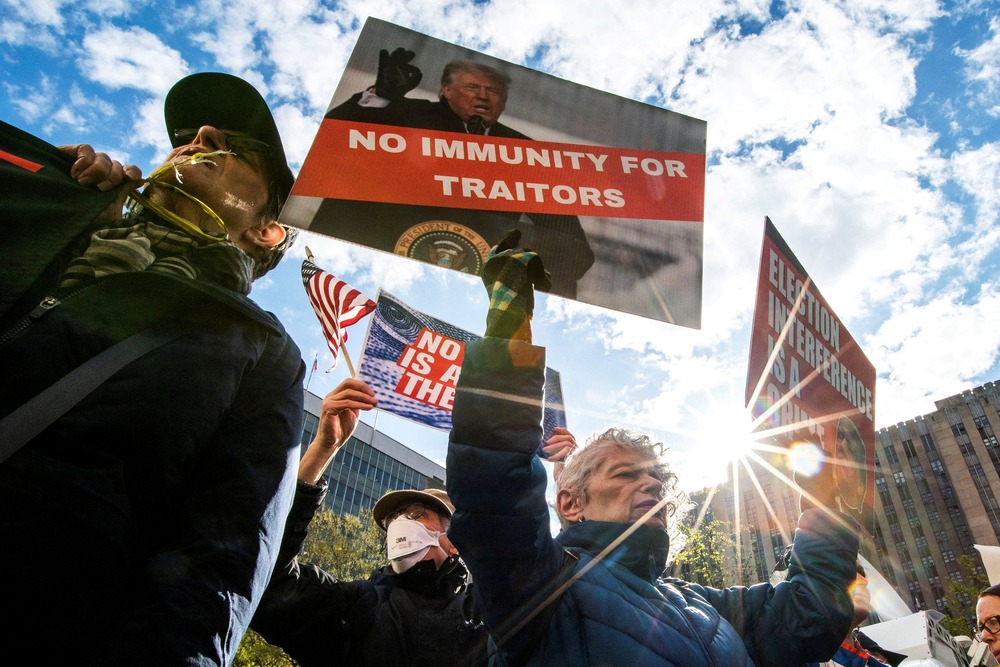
(347, 546)
(963, 591)
(709, 555)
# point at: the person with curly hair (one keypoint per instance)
(594, 593)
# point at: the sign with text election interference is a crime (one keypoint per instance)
(809, 383)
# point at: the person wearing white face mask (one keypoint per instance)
(416, 524)
(416, 610)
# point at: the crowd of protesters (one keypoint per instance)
(154, 515)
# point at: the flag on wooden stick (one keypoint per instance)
(337, 305)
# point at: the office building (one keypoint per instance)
(368, 465)
(937, 484)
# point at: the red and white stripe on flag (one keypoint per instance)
(337, 304)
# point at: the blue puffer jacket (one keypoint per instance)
(617, 611)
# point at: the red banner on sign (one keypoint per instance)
(400, 165)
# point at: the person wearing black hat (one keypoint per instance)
(416, 610)
(150, 410)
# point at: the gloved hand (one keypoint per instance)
(510, 274)
(396, 76)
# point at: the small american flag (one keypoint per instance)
(337, 304)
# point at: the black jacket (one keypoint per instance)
(423, 617)
(142, 526)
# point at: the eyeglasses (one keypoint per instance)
(412, 511)
(235, 142)
(992, 624)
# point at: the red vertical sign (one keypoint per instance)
(807, 377)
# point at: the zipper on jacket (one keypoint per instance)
(41, 310)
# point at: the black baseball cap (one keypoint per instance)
(226, 102)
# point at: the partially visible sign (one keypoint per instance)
(412, 361)
(808, 380)
(609, 191)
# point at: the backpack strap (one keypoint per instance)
(33, 417)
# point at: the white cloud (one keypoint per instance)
(809, 123)
(934, 350)
(47, 13)
(131, 58)
(983, 68)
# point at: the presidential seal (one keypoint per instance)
(446, 244)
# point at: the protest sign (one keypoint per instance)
(412, 361)
(609, 191)
(808, 380)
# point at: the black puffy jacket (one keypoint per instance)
(423, 617)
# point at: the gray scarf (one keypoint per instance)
(144, 242)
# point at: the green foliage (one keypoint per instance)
(348, 547)
(255, 652)
(709, 556)
(963, 591)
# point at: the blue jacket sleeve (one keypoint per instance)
(806, 617)
(501, 522)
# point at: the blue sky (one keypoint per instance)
(867, 130)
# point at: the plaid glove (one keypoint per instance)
(510, 274)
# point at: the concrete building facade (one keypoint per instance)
(937, 494)
(937, 483)
(368, 465)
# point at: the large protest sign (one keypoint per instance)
(808, 380)
(412, 361)
(609, 191)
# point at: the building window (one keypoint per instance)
(908, 448)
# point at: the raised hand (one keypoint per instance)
(338, 418)
(396, 76)
(510, 276)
